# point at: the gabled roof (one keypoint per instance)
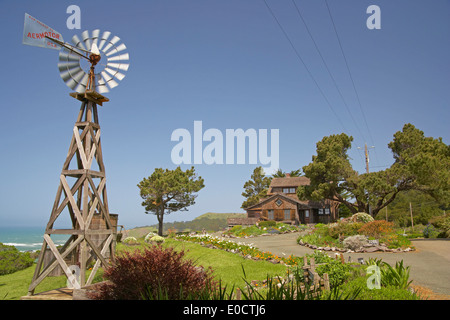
(304, 204)
(289, 182)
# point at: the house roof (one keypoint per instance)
(289, 182)
(304, 204)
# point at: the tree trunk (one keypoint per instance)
(160, 216)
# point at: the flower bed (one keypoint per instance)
(353, 235)
(245, 250)
(263, 228)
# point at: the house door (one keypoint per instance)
(308, 216)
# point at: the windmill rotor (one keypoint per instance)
(94, 46)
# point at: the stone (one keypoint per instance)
(372, 249)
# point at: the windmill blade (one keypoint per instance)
(112, 42)
(86, 39)
(119, 57)
(104, 39)
(115, 50)
(82, 84)
(72, 77)
(121, 66)
(66, 55)
(100, 84)
(77, 42)
(95, 35)
(62, 66)
(115, 73)
(109, 80)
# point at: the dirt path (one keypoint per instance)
(430, 263)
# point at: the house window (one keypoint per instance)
(327, 211)
(320, 211)
(306, 213)
(287, 214)
(270, 214)
(289, 190)
(279, 202)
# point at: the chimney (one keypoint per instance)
(288, 175)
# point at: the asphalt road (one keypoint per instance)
(429, 263)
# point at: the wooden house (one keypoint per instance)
(283, 205)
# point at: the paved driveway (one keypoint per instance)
(430, 263)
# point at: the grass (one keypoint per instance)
(15, 285)
(226, 265)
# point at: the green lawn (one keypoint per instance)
(226, 266)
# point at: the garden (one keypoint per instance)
(204, 267)
(359, 233)
(261, 228)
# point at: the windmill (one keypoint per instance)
(82, 186)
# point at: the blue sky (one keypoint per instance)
(228, 64)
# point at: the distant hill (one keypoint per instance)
(209, 221)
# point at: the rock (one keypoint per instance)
(372, 249)
(274, 261)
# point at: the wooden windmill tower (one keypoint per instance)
(82, 186)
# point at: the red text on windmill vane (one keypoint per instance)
(42, 35)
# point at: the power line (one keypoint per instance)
(304, 64)
(350, 74)
(328, 69)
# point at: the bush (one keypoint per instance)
(266, 224)
(377, 228)
(344, 229)
(130, 240)
(12, 260)
(154, 273)
(384, 293)
(355, 242)
(362, 217)
(442, 223)
(430, 232)
(338, 272)
(157, 239)
(395, 241)
(149, 236)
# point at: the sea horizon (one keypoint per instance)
(27, 238)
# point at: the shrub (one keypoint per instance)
(395, 241)
(355, 242)
(362, 217)
(12, 260)
(377, 228)
(265, 224)
(442, 223)
(130, 240)
(397, 276)
(385, 293)
(149, 236)
(157, 239)
(153, 273)
(344, 229)
(338, 272)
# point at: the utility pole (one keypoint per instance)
(366, 152)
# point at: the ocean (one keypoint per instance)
(28, 238)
